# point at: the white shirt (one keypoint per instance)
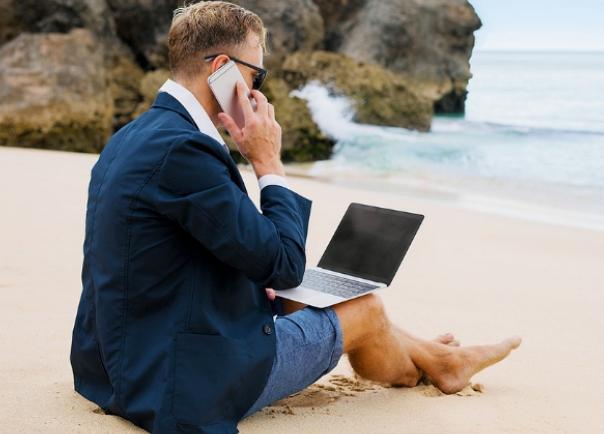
(206, 126)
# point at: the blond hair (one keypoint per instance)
(202, 27)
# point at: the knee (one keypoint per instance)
(374, 309)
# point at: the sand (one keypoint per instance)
(481, 276)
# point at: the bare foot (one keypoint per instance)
(450, 368)
(445, 339)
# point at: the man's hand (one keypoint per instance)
(259, 141)
(270, 293)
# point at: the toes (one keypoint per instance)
(514, 342)
(446, 338)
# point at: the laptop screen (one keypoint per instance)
(371, 242)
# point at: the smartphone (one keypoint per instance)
(223, 85)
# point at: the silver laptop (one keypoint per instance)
(362, 256)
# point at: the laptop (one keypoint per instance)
(362, 256)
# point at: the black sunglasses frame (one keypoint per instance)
(258, 79)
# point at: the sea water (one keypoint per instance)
(531, 141)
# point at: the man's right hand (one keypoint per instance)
(259, 141)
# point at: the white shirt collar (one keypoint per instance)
(193, 107)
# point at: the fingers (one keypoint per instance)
(261, 102)
(231, 126)
(244, 101)
(258, 124)
(270, 292)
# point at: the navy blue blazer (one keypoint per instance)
(174, 330)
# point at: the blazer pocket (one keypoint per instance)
(210, 373)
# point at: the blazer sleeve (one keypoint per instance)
(195, 190)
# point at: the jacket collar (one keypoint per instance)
(166, 101)
(193, 108)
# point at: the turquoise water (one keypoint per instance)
(534, 123)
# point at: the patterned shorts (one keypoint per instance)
(309, 345)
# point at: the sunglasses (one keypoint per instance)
(260, 72)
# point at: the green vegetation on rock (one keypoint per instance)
(379, 96)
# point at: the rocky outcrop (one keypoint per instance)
(62, 16)
(428, 40)
(379, 96)
(293, 25)
(124, 81)
(54, 92)
(73, 71)
(143, 25)
(148, 88)
(54, 16)
(302, 138)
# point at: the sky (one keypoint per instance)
(540, 25)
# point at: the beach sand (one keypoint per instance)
(480, 276)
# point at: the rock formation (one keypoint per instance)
(54, 92)
(293, 25)
(54, 16)
(302, 138)
(74, 71)
(379, 97)
(143, 26)
(428, 40)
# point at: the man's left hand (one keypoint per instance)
(270, 293)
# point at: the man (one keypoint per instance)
(175, 328)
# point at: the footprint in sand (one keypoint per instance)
(320, 395)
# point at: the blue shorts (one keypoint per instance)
(309, 345)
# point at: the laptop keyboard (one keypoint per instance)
(335, 285)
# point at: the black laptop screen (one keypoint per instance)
(371, 242)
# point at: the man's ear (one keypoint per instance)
(218, 62)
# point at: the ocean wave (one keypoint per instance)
(459, 147)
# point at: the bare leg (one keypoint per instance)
(290, 306)
(380, 351)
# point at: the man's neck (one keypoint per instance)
(204, 96)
